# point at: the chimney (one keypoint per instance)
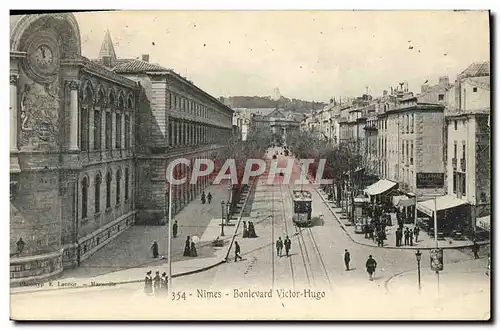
(145, 57)
(384, 93)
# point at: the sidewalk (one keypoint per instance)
(189, 223)
(425, 242)
(133, 247)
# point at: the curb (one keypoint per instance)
(388, 246)
(252, 187)
(190, 272)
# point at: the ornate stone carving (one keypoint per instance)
(39, 115)
(13, 79)
(74, 84)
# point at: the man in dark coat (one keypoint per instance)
(279, 247)
(347, 259)
(209, 197)
(174, 229)
(371, 265)
(187, 247)
(154, 247)
(407, 236)
(288, 245)
(203, 198)
(475, 250)
(416, 232)
(237, 251)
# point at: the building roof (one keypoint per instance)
(107, 48)
(138, 66)
(476, 69)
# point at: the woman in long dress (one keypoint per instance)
(193, 250)
(155, 249)
(187, 248)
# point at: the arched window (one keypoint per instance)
(127, 174)
(85, 195)
(108, 190)
(130, 102)
(84, 118)
(98, 120)
(97, 193)
(118, 182)
(109, 122)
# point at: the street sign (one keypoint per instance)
(436, 259)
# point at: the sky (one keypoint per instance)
(310, 55)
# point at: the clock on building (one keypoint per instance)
(42, 60)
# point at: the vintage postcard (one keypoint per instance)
(250, 165)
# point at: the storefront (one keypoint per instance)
(483, 227)
(452, 215)
(405, 206)
(382, 191)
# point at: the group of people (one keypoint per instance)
(154, 247)
(205, 198)
(156, 285)
(371, 264)
(408, 235)
(287, 244)
(249, 232)
(190, 248)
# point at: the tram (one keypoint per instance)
(302, 208)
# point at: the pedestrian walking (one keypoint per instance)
(203, 197)
(416, 232)
(371, 266)
(193, 252)
(347, 259)
(475, 250)
(279, 247)
(398, 236)
(209, 197)
(174, 229)
(187, 247)
(410, 237)
(157, 283)
(148, 284)
(288, 246)
(164, 282)
(237, 251)
(407, 236)
(154, 247)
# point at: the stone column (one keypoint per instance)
(13, 113)
(91, 128)
(181, 132)
(113, 129)
(74, 114)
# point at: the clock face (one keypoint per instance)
(43, 59)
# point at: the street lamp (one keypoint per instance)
(222, 219)
(418, 255)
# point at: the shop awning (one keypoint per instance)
(484, 223)
(402, 201)
(379, 187)
(441, 203)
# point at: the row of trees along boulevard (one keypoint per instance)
(255, 146)
(344, 165)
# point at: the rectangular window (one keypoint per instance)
(455, 124)
(441, 97)
(402, 152)
(126, 183)
(463, 184)
(97, 130)
(118, 135)
(474, 89)
(171, 100)
(463, 149)
(454, 182)
(412, 124)
(109, 130)
(455, 150)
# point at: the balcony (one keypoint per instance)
(454, 163)
(463, 164)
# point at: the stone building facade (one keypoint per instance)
(89, 144)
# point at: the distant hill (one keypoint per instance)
(295, 105)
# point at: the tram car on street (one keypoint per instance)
(302, 208)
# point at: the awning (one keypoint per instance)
(484, 223)
(379, 187)
(441, 203)
(402, 201)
